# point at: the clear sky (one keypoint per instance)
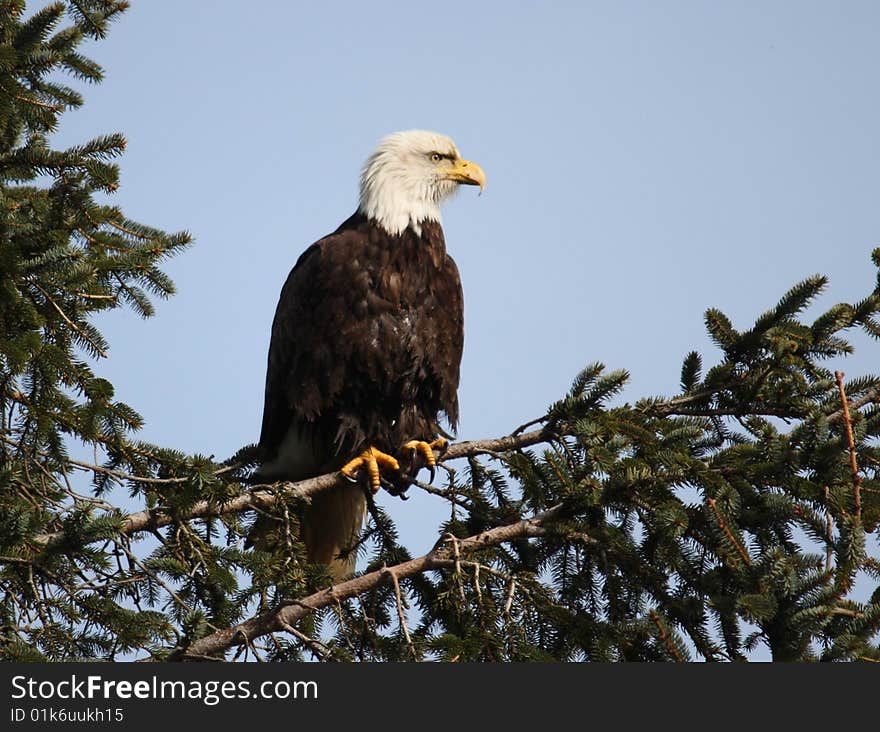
(645, 161)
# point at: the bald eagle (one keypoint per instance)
(366, 343)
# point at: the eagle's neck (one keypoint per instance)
(395, 212)
(396, 199)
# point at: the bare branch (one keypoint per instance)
(266, 496)
(401, 614)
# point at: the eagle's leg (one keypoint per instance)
(426, 450)
(374, 460)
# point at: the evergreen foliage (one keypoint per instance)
(738, 513)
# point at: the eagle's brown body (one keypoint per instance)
(366, 345)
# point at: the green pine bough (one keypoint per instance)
(735, 516)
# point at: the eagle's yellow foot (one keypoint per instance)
(374, 460)
(426, 450)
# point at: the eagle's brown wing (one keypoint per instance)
(291, 331)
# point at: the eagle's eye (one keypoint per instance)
(436, 157)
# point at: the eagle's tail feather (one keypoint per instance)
(331, 525)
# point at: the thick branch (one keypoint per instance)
(266, 496)
(287, 615)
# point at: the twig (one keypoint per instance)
(124, 476)
(67, 320)
(135, 234)
(401, 615)
(344, 629)
(15, 560)
(445, 493)
(90, 296)
(187, 656)
(829, 534)
(315, 646)
(456, 553)
(155, 576)
(89, 239)
(853, 464)
(477, 589)
(723, 524)
(531, 423)
(668, 408)
(20, 398)
(290, 613)
(664, 637)
(508, 602)
(250, 646)
(36, 103)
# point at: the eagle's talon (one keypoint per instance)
(397, 488)
(428, 456)
(426, 450)
(374, 461)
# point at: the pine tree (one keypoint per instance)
(734, 514)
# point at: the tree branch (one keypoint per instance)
(266, 496)
(67, 320)
(854, 466)
(288, 614)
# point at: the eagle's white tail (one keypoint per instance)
(331, 525)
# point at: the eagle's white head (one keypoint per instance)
(407, 177)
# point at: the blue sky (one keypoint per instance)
(645, 161)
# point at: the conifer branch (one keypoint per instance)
(291, 612)
(36, 103)
(90, 296)
(91, 467)
(872, 396)
(67, 320)
(829, 533)
(265, 496)
(664, 637)
(88, 238)
(130, 232)
(713, 504)
(854, 466)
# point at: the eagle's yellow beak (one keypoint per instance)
(466, 172)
